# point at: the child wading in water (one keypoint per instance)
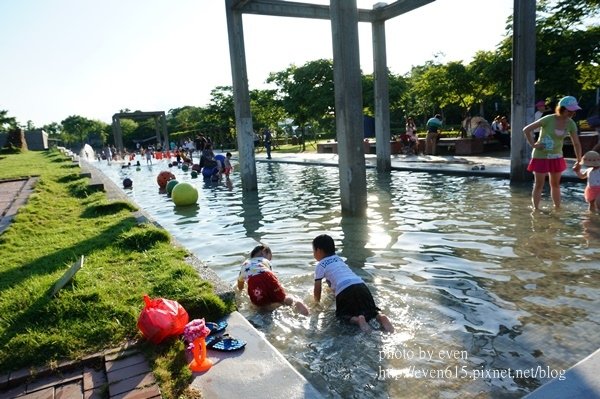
(353, 300)
(263, 286)
(591, 159)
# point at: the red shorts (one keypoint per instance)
(591, 193)
(264, 289)
(543, 165)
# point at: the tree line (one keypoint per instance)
(567, 63)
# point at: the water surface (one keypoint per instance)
(483, 293)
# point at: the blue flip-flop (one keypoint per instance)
(224, 343)
(217, 327)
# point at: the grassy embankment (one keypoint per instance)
(99, 308)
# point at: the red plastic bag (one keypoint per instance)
(162, 318)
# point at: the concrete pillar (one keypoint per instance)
(241, 98)
(156, 129)
(118, 134)
(523, 90)
(382, 101)
(348, 106)
(163, 121)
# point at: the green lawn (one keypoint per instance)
(99, 308)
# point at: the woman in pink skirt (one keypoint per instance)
(547, 157)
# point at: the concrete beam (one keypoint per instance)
(138, 115)
(294, 9)
(397, 8)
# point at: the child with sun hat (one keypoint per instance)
(591, 159)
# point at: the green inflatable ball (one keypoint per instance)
(185, 167)
(171, 185)
(184, 194)
(194, 174)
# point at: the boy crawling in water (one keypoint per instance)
(263, 286)
(353, 300)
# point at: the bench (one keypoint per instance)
(587, 139)
(466, 146)
(369, 147)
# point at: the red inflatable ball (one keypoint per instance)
(163, 178)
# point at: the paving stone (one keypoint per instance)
(93, 378)
(128, 372)
(17, 391)
(113, 354)
(3, 380)
(124, 362)
(140, 381)
(46, 393)
(56, 379)
(69, 391)
(94, 394)
(18, 377)
(144, 393)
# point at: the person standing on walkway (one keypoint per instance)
(547, 157)
(433, 125)
(268, 137)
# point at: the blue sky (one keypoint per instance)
(93, 58)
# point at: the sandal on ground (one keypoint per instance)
(224, 343)
(217, 327)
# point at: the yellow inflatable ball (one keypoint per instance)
(163, 178)
(171, 185)
(184, 194)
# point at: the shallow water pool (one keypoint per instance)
(488, 299)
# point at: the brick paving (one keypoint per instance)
(121, 373)
(13, 194)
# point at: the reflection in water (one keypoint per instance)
(251, 214)
(354, 242)
(458, 263)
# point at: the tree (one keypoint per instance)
(6, 122)
(307, 92)
(53, 129)
(78, 129)
(266, 109)
(567, 47)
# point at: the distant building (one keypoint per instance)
(37, 140)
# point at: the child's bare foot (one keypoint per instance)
(301, 308)
(385, 323)
(362, 323)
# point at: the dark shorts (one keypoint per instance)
(355, 300)
(264, 289)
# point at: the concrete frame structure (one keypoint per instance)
(156, 115)
(344, 16)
